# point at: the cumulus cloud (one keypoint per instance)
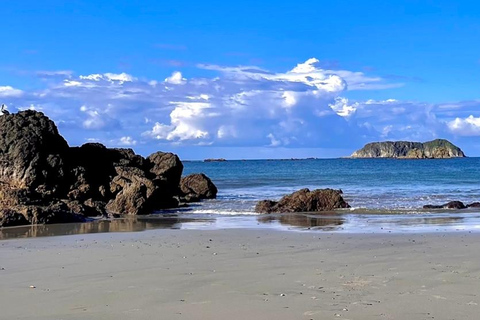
(243, 106)
(176, 78)
(127, 141)
(469, 126)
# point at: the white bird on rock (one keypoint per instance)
(4, 110)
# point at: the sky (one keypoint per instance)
(246, 79)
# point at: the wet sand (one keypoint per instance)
(241, 274)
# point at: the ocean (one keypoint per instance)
(383, 185)
(386, 195)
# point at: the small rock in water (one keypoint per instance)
(282, 294)
(32, 287)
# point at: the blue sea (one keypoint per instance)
(386, 196)
(373, 184)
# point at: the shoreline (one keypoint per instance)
(446, 221)
(241, 274)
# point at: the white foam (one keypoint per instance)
(223, 212)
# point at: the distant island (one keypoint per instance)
(436, 149)
(215, 160)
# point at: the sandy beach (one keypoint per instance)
(241, 274)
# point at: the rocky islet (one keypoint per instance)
(436, 149)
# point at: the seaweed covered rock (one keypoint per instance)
(304, 200)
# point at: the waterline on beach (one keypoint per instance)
(336, 223)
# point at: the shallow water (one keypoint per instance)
(343, 223)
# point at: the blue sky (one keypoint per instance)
(249, 79)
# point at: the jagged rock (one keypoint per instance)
(266, 206)
(131, 189)
(11, 218)
(166, 166)
(436, 149)
(199, 186)
(304, 200)
(30, 152)
(448, 205)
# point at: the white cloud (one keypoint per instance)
(94, 77)
(112, 77)
(7, 91)
(341, 107)
(311, 74)
(246, 106)
(122, 77)
(159, 131)
(72, 83)
(469, 126)
(176, 78)
(127, 141)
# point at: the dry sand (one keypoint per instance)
(241, 274)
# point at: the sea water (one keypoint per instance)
(383, 185)
(386, 195)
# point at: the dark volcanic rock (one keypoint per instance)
(304, 200)
(43, 180)
(199, 186)
(436, 149)
(474, 205)
(448, 205)
(266, 206)
(166, 166)
(10, 218)
(431, 206)
(454, 205)
(137, 194)
(31, 152)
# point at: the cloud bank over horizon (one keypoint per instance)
(238, 107)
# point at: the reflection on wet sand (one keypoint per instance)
(305, 221)
(129, 224)
(438, 221)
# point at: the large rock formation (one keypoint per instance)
(199, 186)
(43, 180)
(304, 200)
(436, 149)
